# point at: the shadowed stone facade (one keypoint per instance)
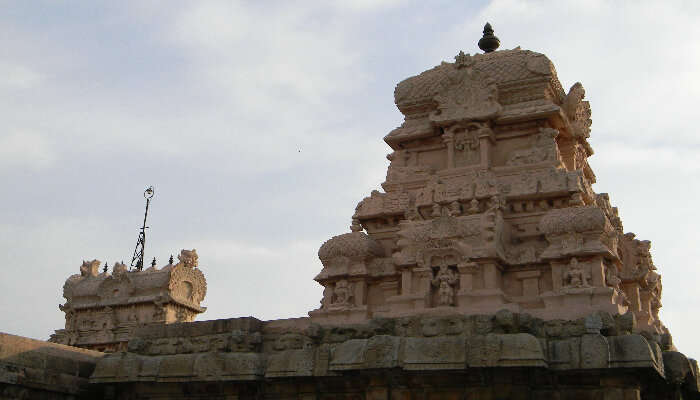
(488, 269)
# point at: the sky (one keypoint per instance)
(260, 125)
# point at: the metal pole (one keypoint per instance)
(141, 242)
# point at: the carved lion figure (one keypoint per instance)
(188, 258)
(118, 269)
(89, 268)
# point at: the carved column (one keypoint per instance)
(423, 277)
(632, 292)
(486, 140)
(557, 275)
(448, 138)
(597, 272)
(406, 277)
(492, 276)
(359, 292)
(466, 276)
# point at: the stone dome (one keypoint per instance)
(351, 245)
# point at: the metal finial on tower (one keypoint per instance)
(137, 259)
(153, 263)
(489, 42)
(170, 261)
(105, 268)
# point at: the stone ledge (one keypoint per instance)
(45, 366)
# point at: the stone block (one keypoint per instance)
(504, 350)
(177, 366)
(243, 366)
(290, 363)
(446, 352)
(348, 355)
(594, 351)
(382, 351)
(632, 351)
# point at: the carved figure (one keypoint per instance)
(89, 268)
(118, 269)
(611, 278)
(473, 206)
(188, 258)
(575, 275)
(342, 295)
(445, 280)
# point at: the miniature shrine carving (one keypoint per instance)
(102, 309)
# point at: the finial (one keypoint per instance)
(489, 42)
(105, 268)
(170, 261)
(153, 263)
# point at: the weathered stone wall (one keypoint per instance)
(501, 356)
(34, 369)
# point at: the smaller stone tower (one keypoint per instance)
(103, 309)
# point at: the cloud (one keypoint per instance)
(25, 150)
(18, 76)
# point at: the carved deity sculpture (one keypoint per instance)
(445, 281)
(611, 278)
(342, 295)
(575, 275)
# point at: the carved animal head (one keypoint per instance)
(188, 258)
(572, 100)
(89, 268)
(118, 269)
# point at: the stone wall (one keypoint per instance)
(501, 356)
(34, 369)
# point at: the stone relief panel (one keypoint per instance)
(543, 148)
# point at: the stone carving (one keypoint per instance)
(342, 293)
(578, 111)
(102, 309)
(89, 268)
(119, 269)
(542, 149)
(188, 258)
(575, 276)
(445, 280)
(350, 245)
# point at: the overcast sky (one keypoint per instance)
(260, 126)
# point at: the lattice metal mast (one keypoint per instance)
(141, 243)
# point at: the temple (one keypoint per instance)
(487, 269)
(488, 205)
(103, 309)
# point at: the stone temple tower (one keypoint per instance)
(488, 205)
(102, 309)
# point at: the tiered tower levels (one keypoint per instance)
(488, 205)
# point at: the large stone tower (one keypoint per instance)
(488, 205)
